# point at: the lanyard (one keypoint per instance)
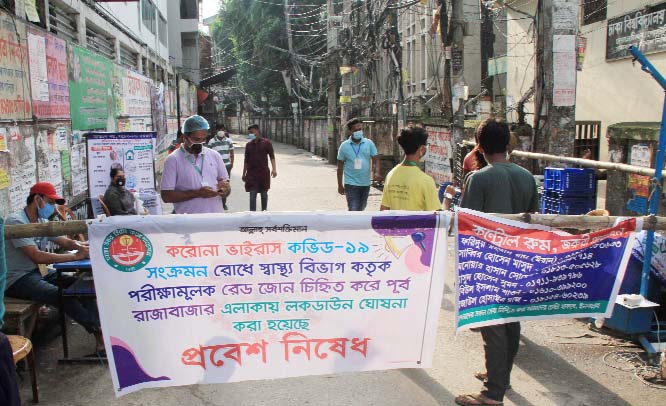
(356, 151)
(191, 161)
(409, 163)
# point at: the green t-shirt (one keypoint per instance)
(501, 188)
(408, 188)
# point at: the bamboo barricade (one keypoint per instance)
(588, 163)
(581, 222)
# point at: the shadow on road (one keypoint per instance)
(421, 378)
(565, 384)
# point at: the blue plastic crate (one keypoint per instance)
(573, 205)
(570, 180)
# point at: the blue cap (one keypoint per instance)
(195, 123)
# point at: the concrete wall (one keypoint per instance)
(178, 26)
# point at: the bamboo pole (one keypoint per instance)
(581, 222)
(588, 163)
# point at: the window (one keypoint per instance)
(594, 11)
(188, 9)
(162, 30)
(148, 15)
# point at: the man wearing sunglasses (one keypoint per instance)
(195, 178)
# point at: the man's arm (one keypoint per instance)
(42, 257)
(231, 156)
(341, 168)
(383, 208)
(177, 196)
(271, 155)
(375, 169)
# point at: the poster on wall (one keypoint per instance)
(203, 299)
(14, 75)
(49, 68)
(49, 168)
(79, 169)
(440, 154)
(131, 92)
(644, 29)
(131, 152)
(23, 162)
(184, 98)
(4, 184)
(90, 90)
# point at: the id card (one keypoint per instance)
(358, 163)
(204, 184)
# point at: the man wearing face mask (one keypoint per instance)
(24, 255)
(195, 176)
(118, 199)
(256, 174)
(223, 145)
(356, 157)
(406, 186)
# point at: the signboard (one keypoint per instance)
(14, 77)
(234, 297)
(131, 93)
(131, 152)
(79, 169)
(509, 271)
(439, 156)
(644, 28)
(48, 73)
(90, 90)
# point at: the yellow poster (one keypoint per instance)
(4, 179)
(3, 139)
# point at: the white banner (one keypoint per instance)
(223, 298)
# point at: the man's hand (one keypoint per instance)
(82, 253)
(341, 190)
(244, 177)
(377, 178)
(274, 173)
(207, 192)
(223, 188)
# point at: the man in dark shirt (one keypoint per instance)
(117, 198)
(256, 174)
(500, 187)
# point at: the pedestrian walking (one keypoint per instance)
(406, 186)
(357, 159)
(256, 174)
(500, 187)
(222, 144)
(195, 176)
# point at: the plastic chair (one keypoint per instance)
(104, 207)
(22, 349)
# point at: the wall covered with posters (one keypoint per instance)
(52, 93)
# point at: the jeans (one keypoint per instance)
(9, 391)
(357, 197)
(40, 289)
(500, 344)
(253, 200)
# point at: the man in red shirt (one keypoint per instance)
(256, 174)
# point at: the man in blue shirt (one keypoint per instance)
(357, 157)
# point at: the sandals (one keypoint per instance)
(483, 377)
(477, 400)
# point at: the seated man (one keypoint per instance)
(117, 198)
(24, 255)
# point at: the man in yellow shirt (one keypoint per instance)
(406, 186)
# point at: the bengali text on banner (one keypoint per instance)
(509, 271)
(224, 298)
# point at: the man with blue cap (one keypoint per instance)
(195, 177)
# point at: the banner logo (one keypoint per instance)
(127, 250)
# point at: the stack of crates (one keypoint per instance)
(569, 191)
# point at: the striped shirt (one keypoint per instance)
(222, 146)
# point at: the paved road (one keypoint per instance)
(559, 363)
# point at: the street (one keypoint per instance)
(560, 362)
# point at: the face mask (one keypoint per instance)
(46, 211)
(196, 148)
(220, 134)
(120, 182)
(251, 136)
(357, 135)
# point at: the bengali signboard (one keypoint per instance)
(225, 298)
(90, 90)
(132, 93)
(14, 76)
(439, 156)
(48, 73)
(132, 152)
(509, 271)
(644, 28)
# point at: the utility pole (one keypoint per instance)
(396, 53)
(331, 83)
(487, 48)
(457, 70)
(346, 94)
(295, 106)
(555, 115)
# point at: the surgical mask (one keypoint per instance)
(220, 134)
(196, 148)
(120, 182)
(251, 136)
(357, 135)
(46, 211)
